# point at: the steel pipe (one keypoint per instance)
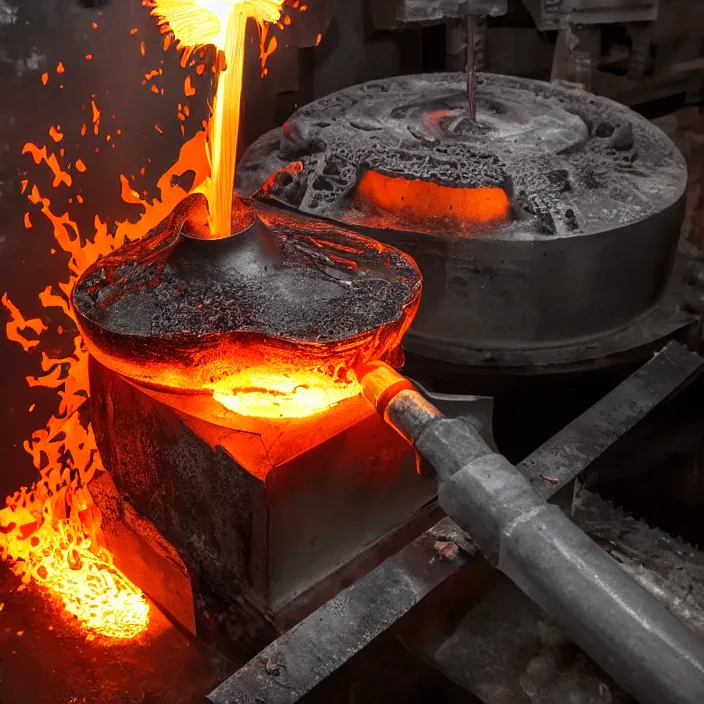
(625, 630)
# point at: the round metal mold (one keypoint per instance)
(597, 199)
(287, 298)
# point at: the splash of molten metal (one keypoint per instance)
(51, 530)
(223, 24)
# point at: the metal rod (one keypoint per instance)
(630, 634)
(472, 66)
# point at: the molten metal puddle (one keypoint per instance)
(392, 202)
(396, 203)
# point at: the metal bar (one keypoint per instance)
(589, 436)
(314, 649)
(472, 67)
(503, 639)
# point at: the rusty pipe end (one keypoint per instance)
(380, 384)
(397, 400)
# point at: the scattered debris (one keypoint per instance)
(446, 550)
(272, 668)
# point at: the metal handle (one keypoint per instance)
(630, 634)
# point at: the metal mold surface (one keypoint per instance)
(597, 201)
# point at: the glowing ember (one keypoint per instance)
(223, 24)
(420, 203)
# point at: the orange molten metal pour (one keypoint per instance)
(223, 24)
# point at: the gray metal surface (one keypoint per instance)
(624, 629)
(312, 651)
(553, 14)
(390, 14)
(597, 196)
(582, 442)
(667, 567)
(475, 409)
(346, 632)
(505, 651)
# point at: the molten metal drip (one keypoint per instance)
(222, 23)
(422, 203)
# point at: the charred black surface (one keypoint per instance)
(276, 282)
(571, 162)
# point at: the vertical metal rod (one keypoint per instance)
(472, 66)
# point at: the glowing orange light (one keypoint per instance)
(266, 394)
(42, 155)
(425, 203)
(17, 324)
(55, 134)
(96, 117)
(221, 23)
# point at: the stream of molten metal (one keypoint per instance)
(223, 24)
(51, 531)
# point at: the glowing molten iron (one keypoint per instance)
(223, 24)
(265, 394)
(430, 205)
